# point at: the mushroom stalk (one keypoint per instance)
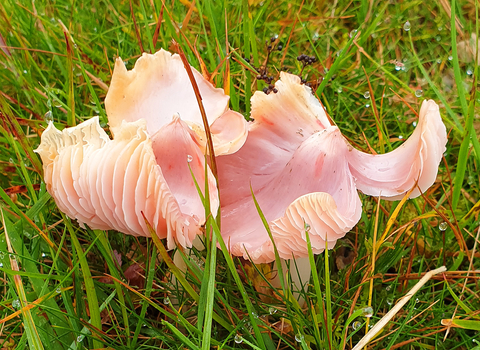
(297, 272)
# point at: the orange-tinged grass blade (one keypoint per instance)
(71, 91)
(12, 125)
(31, 305)
(211, 151)
(392, 218)
(32, 334)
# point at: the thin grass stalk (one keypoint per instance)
(28, 322)
(71, 89)
(90, 289)
(318, 290)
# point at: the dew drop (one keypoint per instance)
(166, 301)
(1, 264)
(272, 310)
(439, 61)
(390, 301)
(443, 226)
(254, 314)
(388, 288)
(189, 158)
(307, 227)
(419, 93)
(299, 338)
(400, 137)
(16, 304)
(367, 105)
(398, 66)
(470, 180)
(450, 58)
(356, 325)
(75, 46)
(339, 90)
(469, 71)
(407, 26)
(417, 301)
(48, 117)
(238, 339)
(414, 124)
(80, 338)
(353, 33)
(25, 71)
(2, 255)
(366, 94)
(367, 311)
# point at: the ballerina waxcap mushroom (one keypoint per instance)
(304, 173)
(146, 170)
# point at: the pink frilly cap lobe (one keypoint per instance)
(305, 175)
(107, 184)
(158, 88)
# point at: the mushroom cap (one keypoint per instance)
(305, 174)
(158, 87)
(108, 184)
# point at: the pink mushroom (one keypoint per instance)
(159, 141)
(304, 173)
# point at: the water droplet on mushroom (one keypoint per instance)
(407, 26)
(366, 94)
(356, 325)
(272, 310)
(367, 311)
(419, 93)
(443, 226)
(353, 33)
(238, 339)
(48, 117)
(16, 304)
(166, 301)
(299, 338)
(189, 158)
(450, 58)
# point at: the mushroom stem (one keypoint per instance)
(298, 272)
(182, 266)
